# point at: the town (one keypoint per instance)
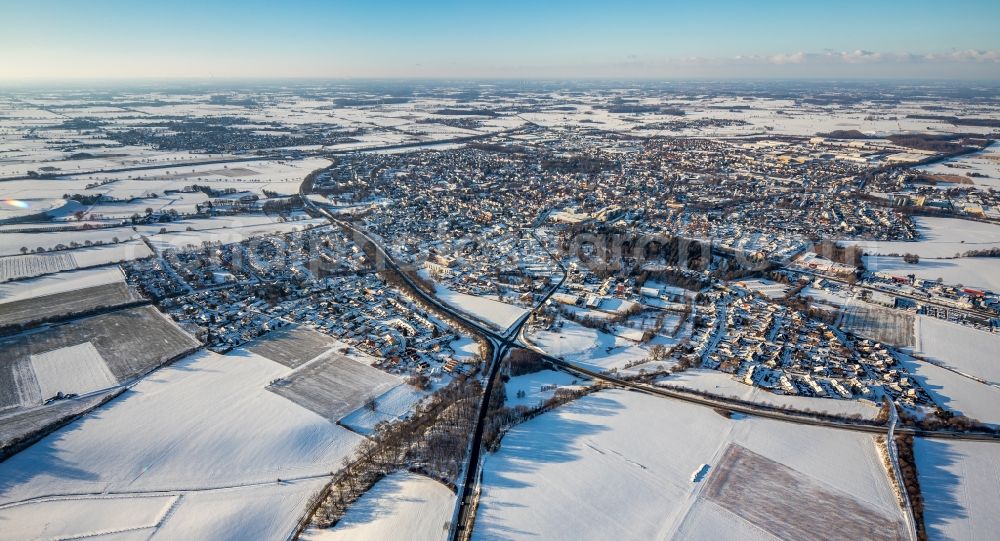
(320, 293)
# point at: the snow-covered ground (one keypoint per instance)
(18, 267)
(78, 369)
(267, 511)
(970, 351)
(722, 384)
(538, 387)
(85, 515)
(283, 176)
(497, 314)
(402, 505)
(101, 255)
(940, 237)
(838, 298)
(181, 240)
(960, 483)
(619, 465)
(593, 348)
(956, 392)
(465, 348)
(976, 272)
(59, 283)
(202, 424)
(389, 406)
(12, 243)
(985, 163)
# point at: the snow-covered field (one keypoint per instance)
(402, 505)
(86, 515)
(193, 239)
(11, 243)
(201, 424)
(102, 255)
(620, 465)
(976, 272)
(75, 369)
(956, 392)
(592, 348)
(960, 483)
(59, 283)
(940, 237)
(389, 406)
(538, 387)
(495, 313)
(838, 298)
(18, 267)
(970, 351)
(722, 384)
(985, 163)
(283, 177)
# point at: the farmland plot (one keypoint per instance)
(621, 465)
(237, 461)
(883, 324)
(400, 502)
(333, 385)
(60, 283)
(759, 489)
(130, 342)
(31, 265)
(15, 423)
(28, 266)
(70, 302)
(75, 369)
(960, 483)
(292, 347)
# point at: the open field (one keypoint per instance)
(182, 240)
(31, 265)
(986, 163)
(594, 348)
(495, 314)
(619, 465)
(240, 461)
(402, 505)
(16, 423)
(62, 282)
(75, 369)
(334, 385)
(955, 392)
(883, 324)
(83, 516)
(255, 176)
(939, 237)
(11, 243)
(70, 302)
(130, 342)
(389, 406)
(977, 272)
(960, 483)
(759, 490)
(292, 347)
(970, 351)
(539, 387)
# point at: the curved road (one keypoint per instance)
(514, 337)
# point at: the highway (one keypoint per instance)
(464, 516)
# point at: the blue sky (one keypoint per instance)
(138, 39)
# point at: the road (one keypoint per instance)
(501, 342)
(890, 442)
